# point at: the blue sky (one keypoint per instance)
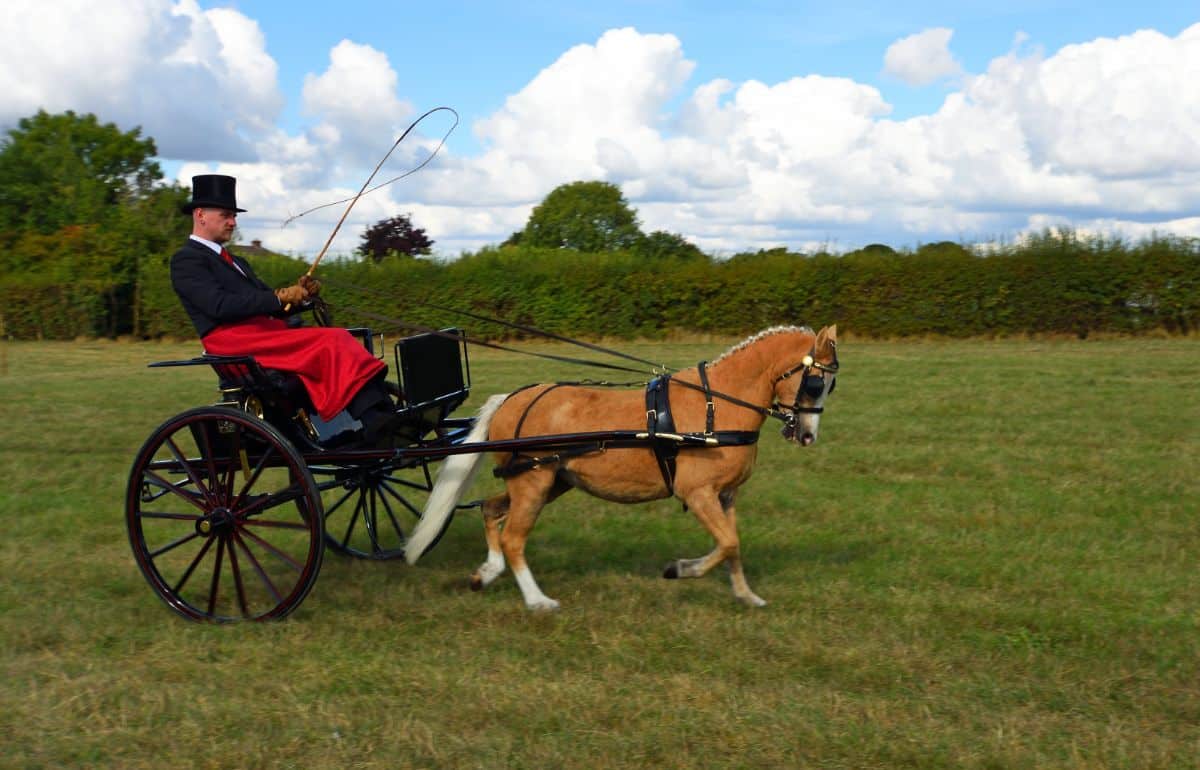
(738, 125)
(471, 55)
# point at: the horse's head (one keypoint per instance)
(801, 390)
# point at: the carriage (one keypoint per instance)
(231, 507)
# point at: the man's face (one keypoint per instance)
(216, 225)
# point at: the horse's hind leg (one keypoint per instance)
(528, 494)
(507, 526)
(719, 518)
(495, 509)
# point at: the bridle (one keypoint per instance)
(813, 384)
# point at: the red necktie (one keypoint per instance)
(225, 255)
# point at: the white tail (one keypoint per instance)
(453, 478)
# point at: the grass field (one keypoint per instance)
(990, 559)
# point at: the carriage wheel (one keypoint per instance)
(370, 509)
(224, 518)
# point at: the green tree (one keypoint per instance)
(82, 206)
(68, 169)
(585, 216)
(661, 244)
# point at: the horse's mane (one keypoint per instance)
(756, 337)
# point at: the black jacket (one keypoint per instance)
(213, 292)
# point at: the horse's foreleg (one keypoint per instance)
(719, 518)
(495, 509)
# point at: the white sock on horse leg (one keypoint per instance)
(534, 598)
(492, 568)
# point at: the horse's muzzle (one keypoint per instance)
(803, 439)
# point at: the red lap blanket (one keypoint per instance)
(331, 363)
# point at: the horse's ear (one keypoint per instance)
(826, 336)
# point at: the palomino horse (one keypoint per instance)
(784, 372)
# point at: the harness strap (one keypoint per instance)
(520, 463)
(659, 420)
(710, 409)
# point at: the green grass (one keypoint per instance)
(991, 558)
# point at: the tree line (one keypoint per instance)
(87, 225)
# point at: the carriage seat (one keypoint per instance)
(433, 372)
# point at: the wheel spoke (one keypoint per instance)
(405, 483)
(269, 500)
(262, 574)
(237, 579)
(216, 577)
(163, 487)
(151, 477)
(400, 499)
(258, 469)
(187, 468)
(192, 567)
(361, 505)
(275, 551)
(330, 510)
(165, 515)
(231, 467)
(210, 462)
(275, 524)
(173, 545)
(392, 517)
(370, 519)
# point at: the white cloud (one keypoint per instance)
(1103, 134)
(1123, 107)
(922, 58)
(596, 103)
(356, 101)
(169, 68)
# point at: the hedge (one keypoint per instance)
(1054, 283)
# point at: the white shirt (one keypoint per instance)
(218, 248)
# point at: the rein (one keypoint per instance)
(788, 417)
(655, 367)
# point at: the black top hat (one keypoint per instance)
(214, 191)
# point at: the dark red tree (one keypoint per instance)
(394, 236)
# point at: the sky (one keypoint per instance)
(740, 126)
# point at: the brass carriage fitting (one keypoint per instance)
(807, 361)
(302, 418)
(230, 397)
(245, 464)
(253, 405)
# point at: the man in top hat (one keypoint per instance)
(235, 313)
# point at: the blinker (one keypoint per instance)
(814, 386)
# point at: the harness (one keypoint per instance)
(666, 442)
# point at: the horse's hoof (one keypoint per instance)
(476, 583)
(672, 571)
(543, 605)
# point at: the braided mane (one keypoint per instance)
(756, 337)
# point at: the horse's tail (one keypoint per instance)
(453, 478)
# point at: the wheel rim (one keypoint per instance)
(224, 519)
(369, 510)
